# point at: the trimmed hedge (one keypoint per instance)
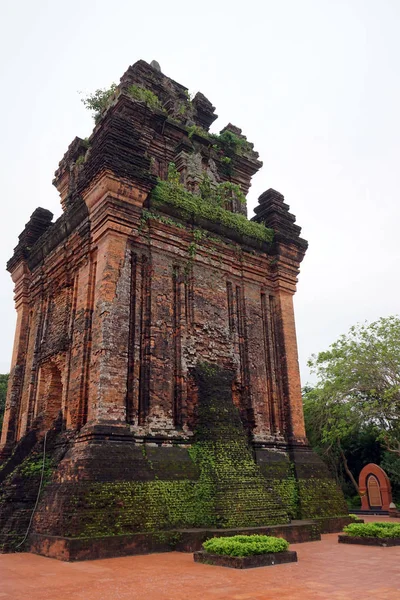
(245, 545)
(356, 518)
(373, 530)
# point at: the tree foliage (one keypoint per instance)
(359, 383)
(391, 464)
(343, 443)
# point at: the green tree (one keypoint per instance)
(330, 426)
(358, 383)
(3, 394)
(344, 444)
(391, 464)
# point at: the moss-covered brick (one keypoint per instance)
(214, 483)
(320, 498)
(152, 269)
(228, 471)
(19, 491)
(193, 207)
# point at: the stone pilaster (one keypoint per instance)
(292, 399)
(21, 277)
(288, 251)
(110, 330)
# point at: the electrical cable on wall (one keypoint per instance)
(38, 495)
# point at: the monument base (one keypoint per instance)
(181, 540)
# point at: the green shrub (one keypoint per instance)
(190, 205)
(231, 143)
(354, 502)
(245, 545)
(143, 95)
(375, 530)
(355, 518)
(99, 100)
(195, 129)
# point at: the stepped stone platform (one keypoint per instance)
(181, 540)
(377, 512)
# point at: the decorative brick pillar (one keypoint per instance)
(21, 277)
(288, 250)
(39, 221)
(112, 241)
(110, 330)
(293, 403)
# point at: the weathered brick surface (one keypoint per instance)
(119, 302)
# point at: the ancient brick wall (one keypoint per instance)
(153, 271)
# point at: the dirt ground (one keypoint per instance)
(325, 569)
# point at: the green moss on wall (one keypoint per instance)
(222, 452)
(229, 490)
(280, 474)
(117, 508)
(233, 491)
(33, 466)
(18, 495)
(320, 498)
(192, 206)
(287, 490)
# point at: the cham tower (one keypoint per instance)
(154, 395)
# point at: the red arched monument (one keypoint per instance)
(375, 489)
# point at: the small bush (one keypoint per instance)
(99, 100)
(354, 502)
(374, 530)
(245, 545)
(144, 95)
(231, 143)
(355, 518)
(196, 130)
(174, 193)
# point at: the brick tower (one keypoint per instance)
(154, 379)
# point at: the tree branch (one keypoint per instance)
(346, 468)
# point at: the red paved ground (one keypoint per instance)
(325, 570)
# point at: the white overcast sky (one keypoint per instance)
(314, 84)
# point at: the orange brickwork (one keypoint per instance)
(151, 274)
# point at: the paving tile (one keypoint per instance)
(325, 570)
